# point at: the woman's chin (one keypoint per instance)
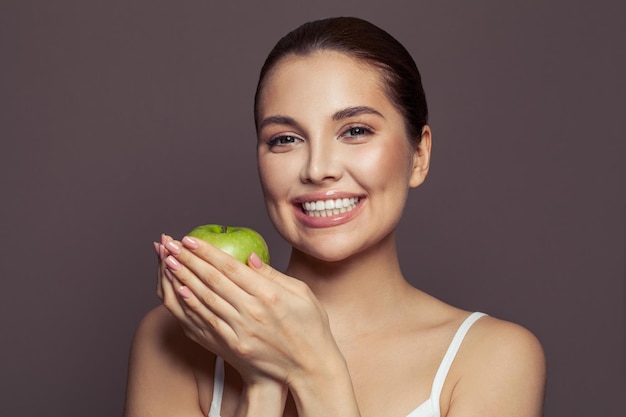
(331, 256)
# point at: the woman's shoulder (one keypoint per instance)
(486, 334)
(165, 367)
(157, 320)
(159, 329)
(499, 368)
(495, 334)
(160, 335)
(494, 340)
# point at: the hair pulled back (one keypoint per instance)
(363, 41)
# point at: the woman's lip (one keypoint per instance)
(328, 221)
(327, 195)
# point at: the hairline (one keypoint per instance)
(385, 75)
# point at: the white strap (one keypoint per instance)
(440, 377)
(444, 367)
(218, 388)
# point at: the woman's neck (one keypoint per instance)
(365, 288)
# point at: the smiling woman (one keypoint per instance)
(347, 140)
(342, 137)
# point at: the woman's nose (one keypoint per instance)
(323, 163)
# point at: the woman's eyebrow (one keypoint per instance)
(278, 120)
(339, 115)
(355, 111)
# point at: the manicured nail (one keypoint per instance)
(156, 249)
(184, 292)
(169, 275)
(172, 263)
(190, 242)
(172, 247)
(255, 261)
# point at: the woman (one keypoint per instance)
(342, 136)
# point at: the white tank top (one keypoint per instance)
(429, 408)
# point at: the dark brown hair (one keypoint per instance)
(361, 40)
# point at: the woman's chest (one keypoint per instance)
(386, 383)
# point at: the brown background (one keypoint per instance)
(124, 119)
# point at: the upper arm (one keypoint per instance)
(161, 379)
(501, 373)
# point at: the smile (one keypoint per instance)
(327, 208)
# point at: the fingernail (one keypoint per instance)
(255, 261)
(184, 292)
(190, 242)
(172, 247)
(172, 263)
(163, 239)
(156, 249)
(169, 275)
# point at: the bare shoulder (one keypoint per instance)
(495, 338)
(499, 371)
(159, 334)
(163, 369)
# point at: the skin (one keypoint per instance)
(341, 332)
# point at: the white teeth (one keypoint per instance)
(325, 208)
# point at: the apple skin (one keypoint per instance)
(239, 242)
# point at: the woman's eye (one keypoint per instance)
(357, 131)
(282, 140)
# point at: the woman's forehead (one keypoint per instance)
(323, 78)
(314, 60)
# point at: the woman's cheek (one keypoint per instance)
(379, 164)
(276, 180)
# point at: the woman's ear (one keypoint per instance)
(421, 158)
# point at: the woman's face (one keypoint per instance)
(334, 158)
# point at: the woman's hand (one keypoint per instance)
(264, 323)
(268, 326)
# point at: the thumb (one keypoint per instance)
(255, 262)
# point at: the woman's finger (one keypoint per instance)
(207, 326)
(161, 252)
(176, 298)
(225, 283)
(170, 297)
(159, 287)
(209, 303)
(223, 264)
(273, 275)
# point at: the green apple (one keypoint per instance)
(239, 242)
